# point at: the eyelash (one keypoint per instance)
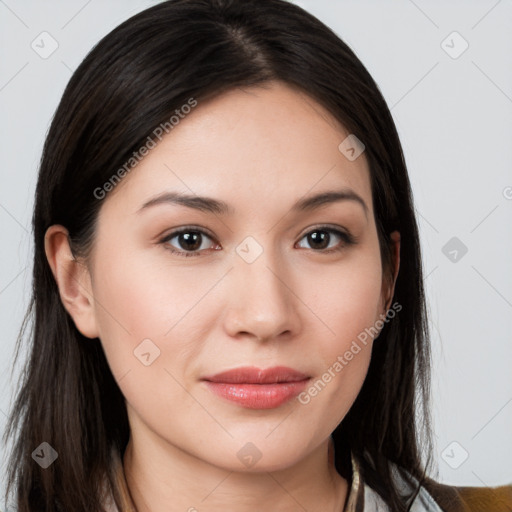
(347, 238)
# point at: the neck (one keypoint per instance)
(172, 480)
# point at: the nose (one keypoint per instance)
(262, 303)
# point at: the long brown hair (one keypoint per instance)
(129, 84)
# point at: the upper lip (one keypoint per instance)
(253, 375)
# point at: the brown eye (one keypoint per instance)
(320, 238)
(188, 242)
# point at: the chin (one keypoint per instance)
(258, 457)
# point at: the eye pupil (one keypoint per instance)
(315, 238)
(188, 238)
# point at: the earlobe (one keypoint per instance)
(395, 254)
(73, 280)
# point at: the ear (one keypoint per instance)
(388, 288)
(73, 280)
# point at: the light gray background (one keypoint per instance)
(454, 117)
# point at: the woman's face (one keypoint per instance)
(258, 288)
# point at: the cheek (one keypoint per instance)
(146, 332)
(146, 306)
(345, 354)
(348, 299)
(143, 294)
(348, 304)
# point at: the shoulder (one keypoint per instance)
(432, 495)
(470, 499)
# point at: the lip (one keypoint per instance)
(256, 388)
(254, 375)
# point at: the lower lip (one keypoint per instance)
(258, 396)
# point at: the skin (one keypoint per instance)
(259, 150)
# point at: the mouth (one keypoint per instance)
(255, 388)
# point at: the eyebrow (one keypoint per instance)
(210, 205)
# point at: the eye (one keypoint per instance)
(189, 239)
(320, 237)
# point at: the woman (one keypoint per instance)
(210, 162)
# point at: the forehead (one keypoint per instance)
(254, 148)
